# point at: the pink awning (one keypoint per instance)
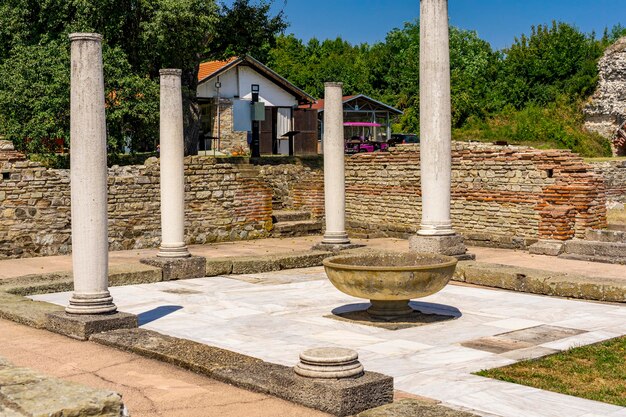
(367, 124)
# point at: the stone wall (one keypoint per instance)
(224, 201)
(606, 111)
(282, 177)
(501, 196)
(230, 140)
(614, 174)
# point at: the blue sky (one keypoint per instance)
(497, 21)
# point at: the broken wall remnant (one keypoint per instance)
(605, 114)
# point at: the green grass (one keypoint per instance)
(607, 159)
(596, 372)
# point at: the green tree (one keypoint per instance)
(245, 28)
(140, 37)
(553, 60)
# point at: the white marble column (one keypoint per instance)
(172, 167)
(435, 118)
(88, 173)
(334, 170)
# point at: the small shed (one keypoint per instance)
(363, 117)
(225, 97)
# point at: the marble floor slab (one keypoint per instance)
(275, 316)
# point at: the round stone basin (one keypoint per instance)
(389, 279)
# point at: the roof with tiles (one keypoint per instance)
(210, 67)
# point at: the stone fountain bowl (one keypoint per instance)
(390, 279)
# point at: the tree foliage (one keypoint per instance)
(140, 38)
(554, 63)
(245, 28)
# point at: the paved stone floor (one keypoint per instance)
(274, 316)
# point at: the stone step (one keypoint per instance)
(279, 216)
(595, 258)
(606, 252)
(277, 204)
(298, 228)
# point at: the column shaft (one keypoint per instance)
(435, 118)
(88, 174)
(172, 166)
(334, 170)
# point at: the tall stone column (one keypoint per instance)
(435, 234)
(334, 170)
(88, 175)
(172, 167)
(91, 307)
(173, 257)
(435, 118)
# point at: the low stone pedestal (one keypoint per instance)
(81, 326)
(451, 245)
(336, 247)
(334, 363)
(179, 268)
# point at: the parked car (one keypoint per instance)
(397, 138)
(357, 145)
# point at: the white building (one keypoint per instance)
(228, 126)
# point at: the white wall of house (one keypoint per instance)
(236, 85)
(229, 86)
(269, 93)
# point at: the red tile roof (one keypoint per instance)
(210, 67)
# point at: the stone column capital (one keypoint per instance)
(85, 36)
(170, 71)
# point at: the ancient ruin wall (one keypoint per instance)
(614, 174)
(501, 196)
(606, 111)
(223, 202)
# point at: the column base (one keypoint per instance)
(435, 230)
(451, 245)
(179, 268)
(93, 303)
(174, 251)
(336, 238)
(81, 326)
(334, 247)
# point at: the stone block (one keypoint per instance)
(215, 267)
(179, 268)
(255, 264)
(546, 247)
(27, 393)
(451, 245)
(412, 408)
(26, 311)
(134, 273)
(536, 281)
(302, 259)
(82, 326)
(332, 247)
(596, 249)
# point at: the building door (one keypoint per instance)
(283, 125)
(305, 121)
(267, 131)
